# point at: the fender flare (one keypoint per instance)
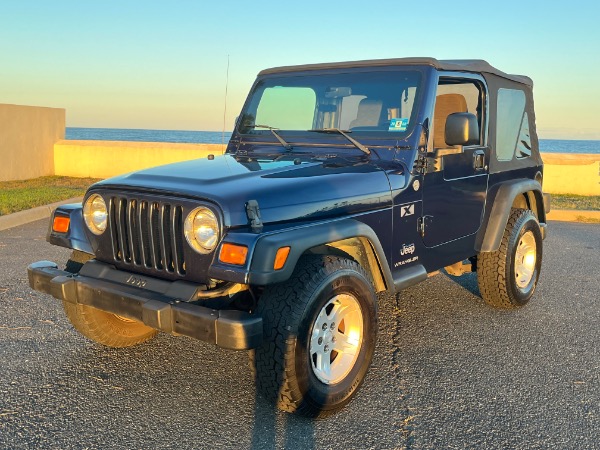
(301, 239)
(75, 238)
(502, 197)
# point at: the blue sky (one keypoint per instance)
(162, 65)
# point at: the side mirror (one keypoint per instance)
(462, 129)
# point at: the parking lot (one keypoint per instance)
(448, 372)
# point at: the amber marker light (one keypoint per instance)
(233, 254)
(61, 224)
(281, 257)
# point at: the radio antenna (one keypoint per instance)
(225, 105)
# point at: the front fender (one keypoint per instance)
(259, 270)
(75, 238)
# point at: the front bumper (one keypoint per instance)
(159, 304)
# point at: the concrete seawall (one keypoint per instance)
(568, 173)
(104, 159)
(564, 173)
(27, 137)
(32, 145)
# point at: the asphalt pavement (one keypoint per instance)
(449, 371)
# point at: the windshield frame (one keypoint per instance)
(306, 136)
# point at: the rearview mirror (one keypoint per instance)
(337, 92)
(462, 129)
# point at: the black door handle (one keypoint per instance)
(479, 160)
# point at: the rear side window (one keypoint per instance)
(512, 127)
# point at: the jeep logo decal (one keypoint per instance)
(407, 249)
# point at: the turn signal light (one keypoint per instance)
(233, 254)
(61, 224)
(281, 257)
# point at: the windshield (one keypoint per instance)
(376, 104)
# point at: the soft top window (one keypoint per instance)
(512, 128)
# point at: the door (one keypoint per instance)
(455, 185)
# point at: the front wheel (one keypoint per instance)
(106, 328)
(508, 277)
(320, 333)
(100, 326)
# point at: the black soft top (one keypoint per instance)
(457, 65)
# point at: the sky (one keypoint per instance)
(163, 65)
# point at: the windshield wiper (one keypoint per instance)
(286, 145)
(357, 144)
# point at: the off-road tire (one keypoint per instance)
(77, 260)
(282, 365)
(100, 326)
(496, 270)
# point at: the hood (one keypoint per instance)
(286, 190)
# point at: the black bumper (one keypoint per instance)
(160, 304)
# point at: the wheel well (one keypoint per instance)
(529, 200)
(358, 249)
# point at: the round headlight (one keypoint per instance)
(95, 214)
(201, 230)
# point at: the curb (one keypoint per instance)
(574, 215)
(31, 215)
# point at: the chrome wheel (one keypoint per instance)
(336, 338)
(525, 259)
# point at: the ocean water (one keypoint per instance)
(569, 146)
(216, 137)
(122, 134)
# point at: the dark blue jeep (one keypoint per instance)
(340, 181)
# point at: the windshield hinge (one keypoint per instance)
(421, 164)
(253, 213)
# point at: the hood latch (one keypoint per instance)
(253, 213)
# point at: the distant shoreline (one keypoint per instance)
(218, 137)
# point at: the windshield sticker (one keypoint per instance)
(398, 124)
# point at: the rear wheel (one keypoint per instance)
(101, 326)
(508, 277)
(320, 333)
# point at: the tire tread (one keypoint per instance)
(491, 266)
(282, 307)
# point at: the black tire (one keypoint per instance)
(496, 273)
(100, 326)
(283, 365)
(77, 260)
(106, 328)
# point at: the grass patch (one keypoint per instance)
(572, 201)
(21, 195)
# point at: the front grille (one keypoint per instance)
(147, 234)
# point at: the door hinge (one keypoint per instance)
(422, 224)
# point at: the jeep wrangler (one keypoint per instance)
(340, 181)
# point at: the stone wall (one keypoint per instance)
(569, 173)
(564, 173)
(27, 138)
(104, 159)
